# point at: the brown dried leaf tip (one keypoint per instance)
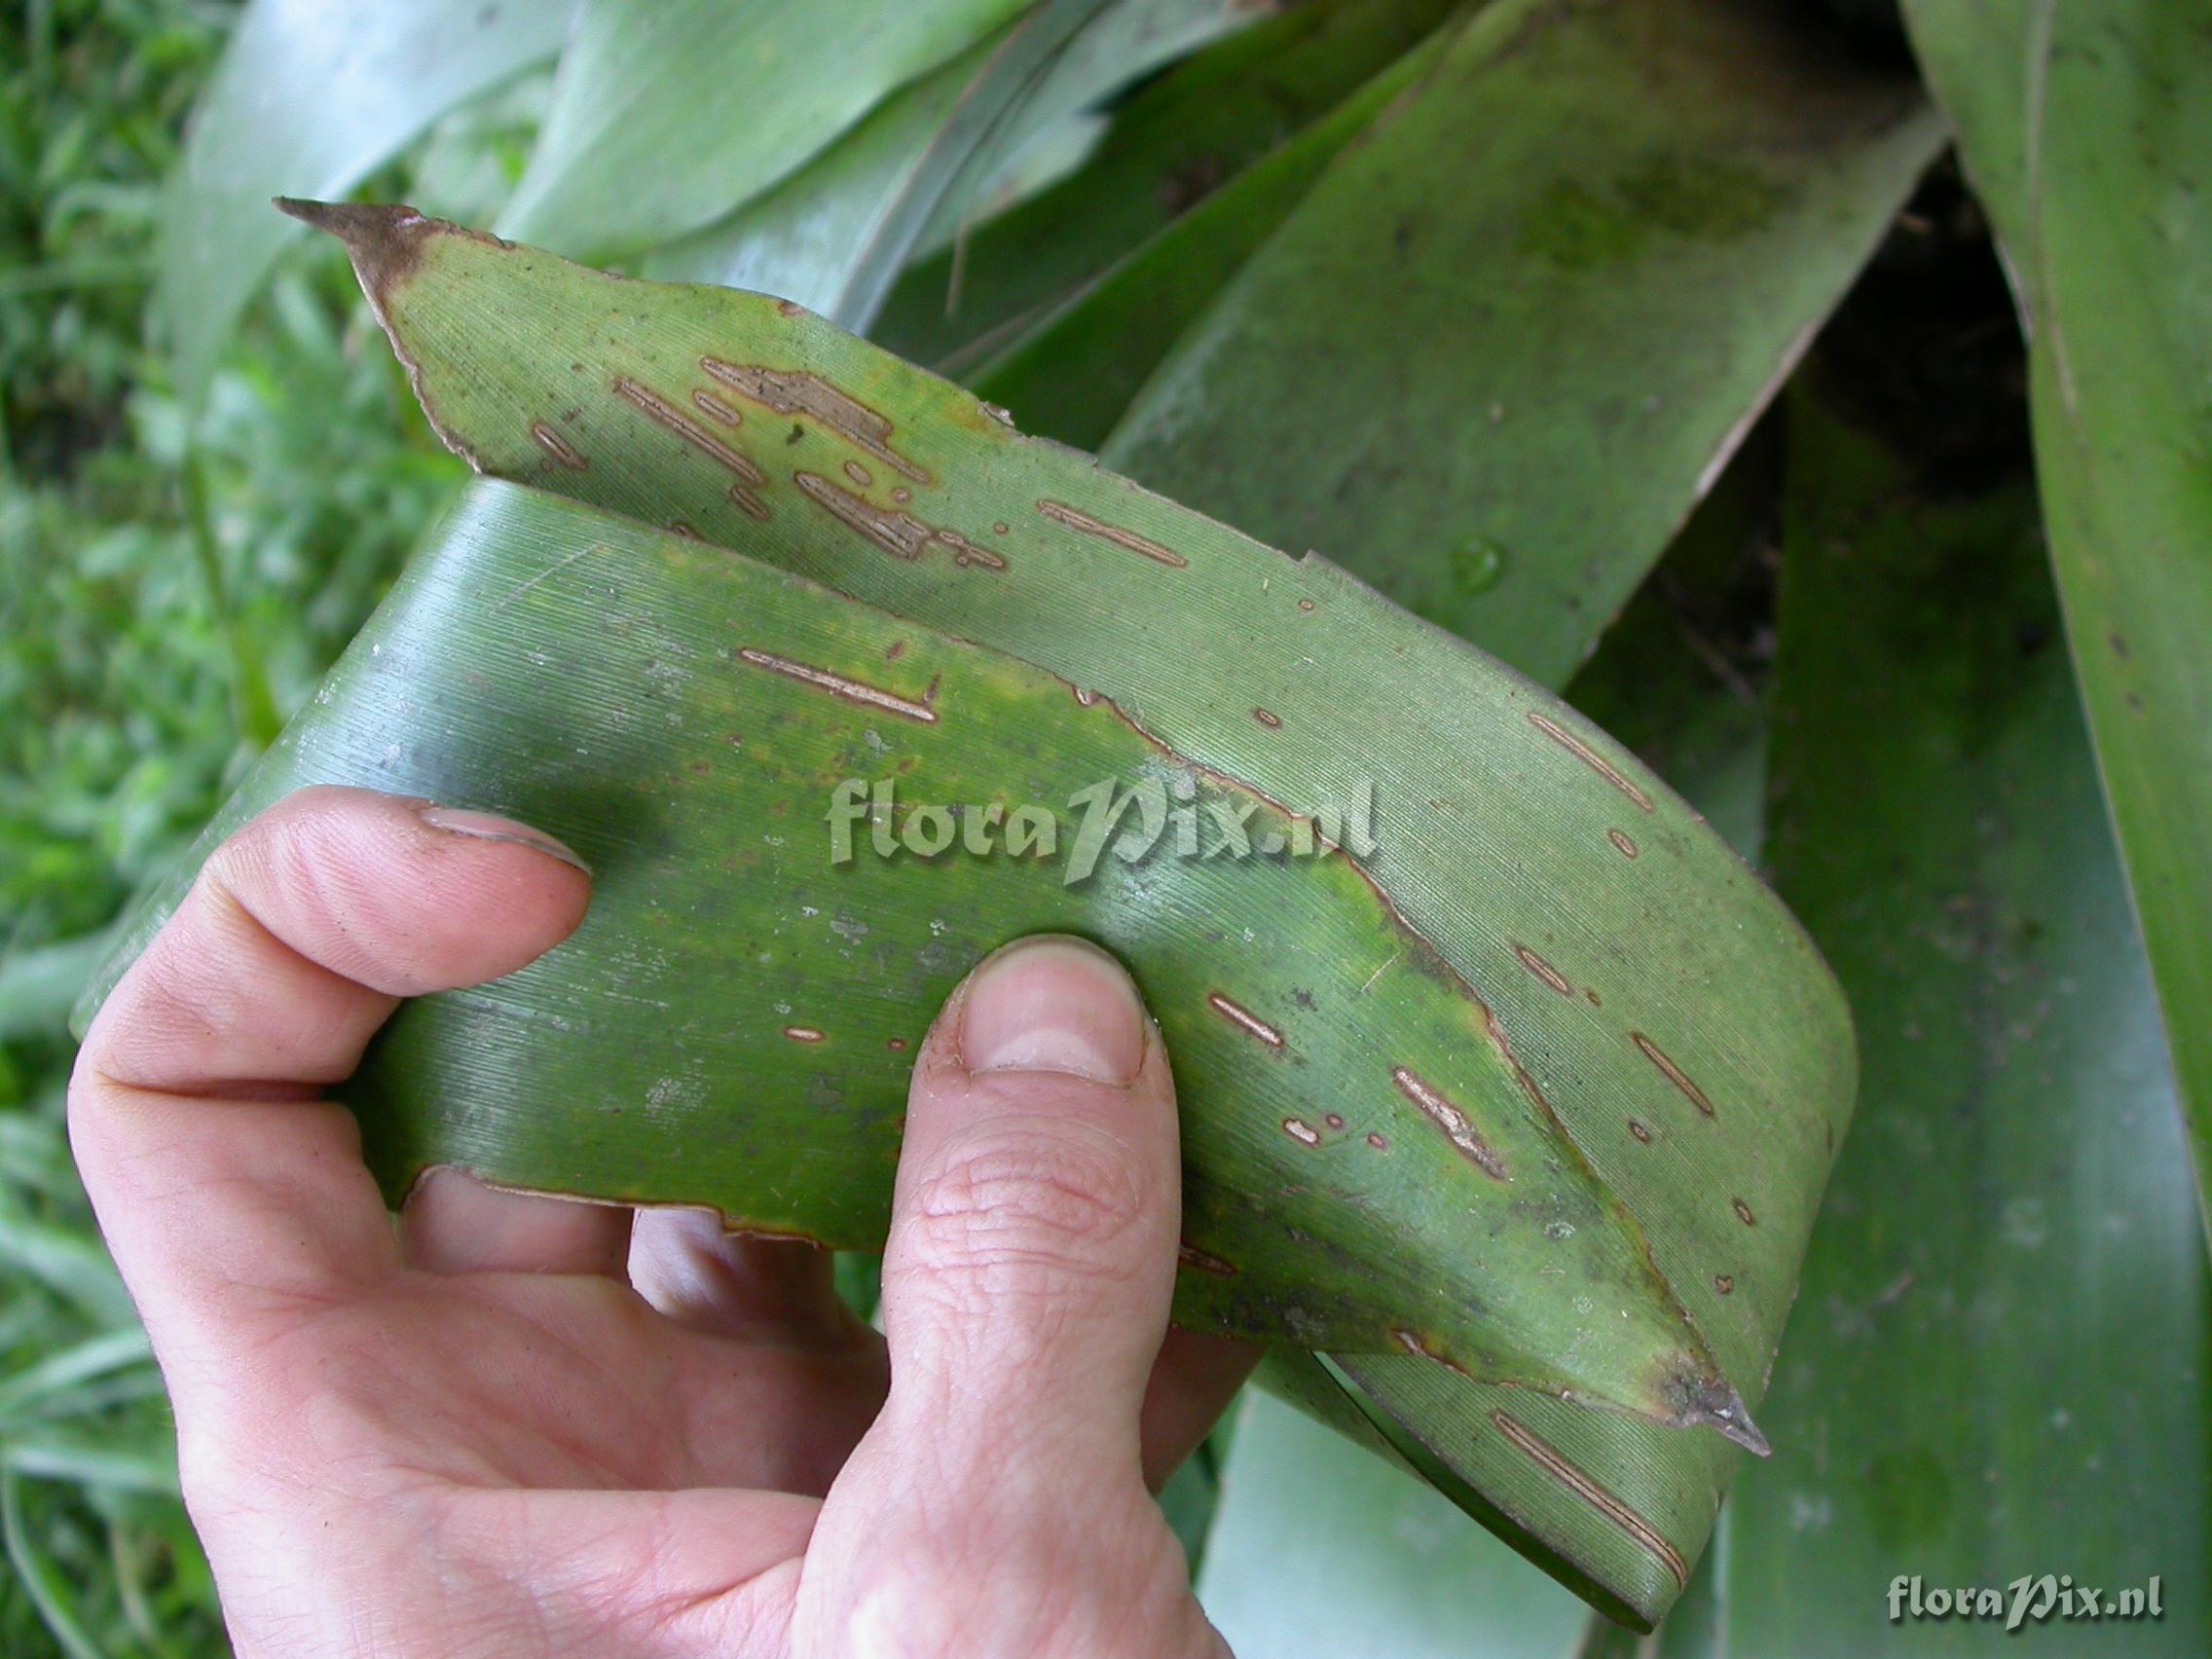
(1716, 1405)
(383, 239)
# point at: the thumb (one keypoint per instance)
(997, 1507)
(1032, 1250)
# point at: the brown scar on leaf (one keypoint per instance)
(803, 1034)
(798, 391)
(1244, 1019)
(1268, 718)
(1743, 1212)
(1621, 842)
(965, 553)
(1590, 757)
(1674, 1073)
(558, 447)
(1570, 1474)
(1191, 1256)
(1059, 512)
(900, 534)
(1455, 1122)
(837, 686)
(709, 404)
(1300, 1130)
(749, 502)
(1544, 969)
(658, 408)
(859, 474)
(1411, 1341)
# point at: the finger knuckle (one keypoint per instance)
(1015, 1198)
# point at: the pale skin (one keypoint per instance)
(514, 1425)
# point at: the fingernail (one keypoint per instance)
(1054, 1004)
(490, 827)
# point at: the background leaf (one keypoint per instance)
(668, 112)
(833, 235)
(2083, 126)
(1317, 1548)
(312, 98)
(1509, 339)
(1073, 371)
(1169, 147)
(1999, 1360)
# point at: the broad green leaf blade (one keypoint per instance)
(1656, 687)
(1696, 1055)
(2000, 1361)
(2084, 127)
(667, 114)
(310, 100)
(733, 1024)
(835, 234)
(1171, 145)
(1316, 1551)
(1512, 336)
(1072, 374)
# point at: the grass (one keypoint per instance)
(171, 582)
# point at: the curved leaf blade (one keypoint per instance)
(534, 369)
(686, 718)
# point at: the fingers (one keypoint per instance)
(684, 1263)
(1032, 1250)
(455, 1224)
(218, 1181)
(1191, 1385)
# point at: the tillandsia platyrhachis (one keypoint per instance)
(1519, 1105)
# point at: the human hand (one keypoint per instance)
(519, 1424)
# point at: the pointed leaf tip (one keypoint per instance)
(383, 238)
(1721, 1409)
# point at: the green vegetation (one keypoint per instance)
(1520, 311)
(161, 603)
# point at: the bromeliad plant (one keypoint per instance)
(1511, 1129)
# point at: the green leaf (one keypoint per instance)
(835, 234)
(1511, 337)
(1169, 147)
(311, 100)
(1072, 374)
(39, 1575)
(666, 114)
(1318, 1550)
(2001, 1355)
(2083, 128)
(1606, 986)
